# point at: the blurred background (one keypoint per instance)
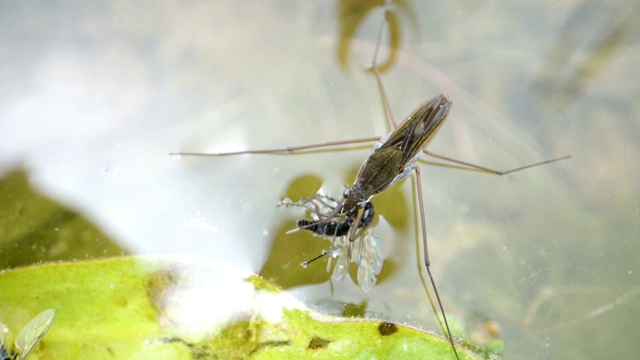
(94, 97)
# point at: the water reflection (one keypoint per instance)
(95, 96)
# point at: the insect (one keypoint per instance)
(392, 159)
(29, 337)
(330, 228)
(365, 250)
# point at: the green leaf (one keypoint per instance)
(185, 308)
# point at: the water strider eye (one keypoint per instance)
(346, 192)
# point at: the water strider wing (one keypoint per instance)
(413, 134)
(391, 159)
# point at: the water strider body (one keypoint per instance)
(394, 157)
(391, 159)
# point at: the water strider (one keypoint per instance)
(392, 159)
(28, 338)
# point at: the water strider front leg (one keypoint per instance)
(286, 150)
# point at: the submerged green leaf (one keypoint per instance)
(34, 228)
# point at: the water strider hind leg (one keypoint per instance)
(474, 167)
(391, 120)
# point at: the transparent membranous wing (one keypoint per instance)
(4, 352)
(33, 332)
(341, 251)
(366, 252)
(369, 258)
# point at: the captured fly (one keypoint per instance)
(365, 250)
(339, 226)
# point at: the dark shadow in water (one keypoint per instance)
(352, 13)
(35, 229)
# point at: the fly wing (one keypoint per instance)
(4, 352)
(33, 332)
(341, 252)
(342, 263)
(370, 258)
(412, 135)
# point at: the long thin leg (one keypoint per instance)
(286, 150)
(392, 122)
(355, 234)
(374, 67)
(427, 263)
(471, 166)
